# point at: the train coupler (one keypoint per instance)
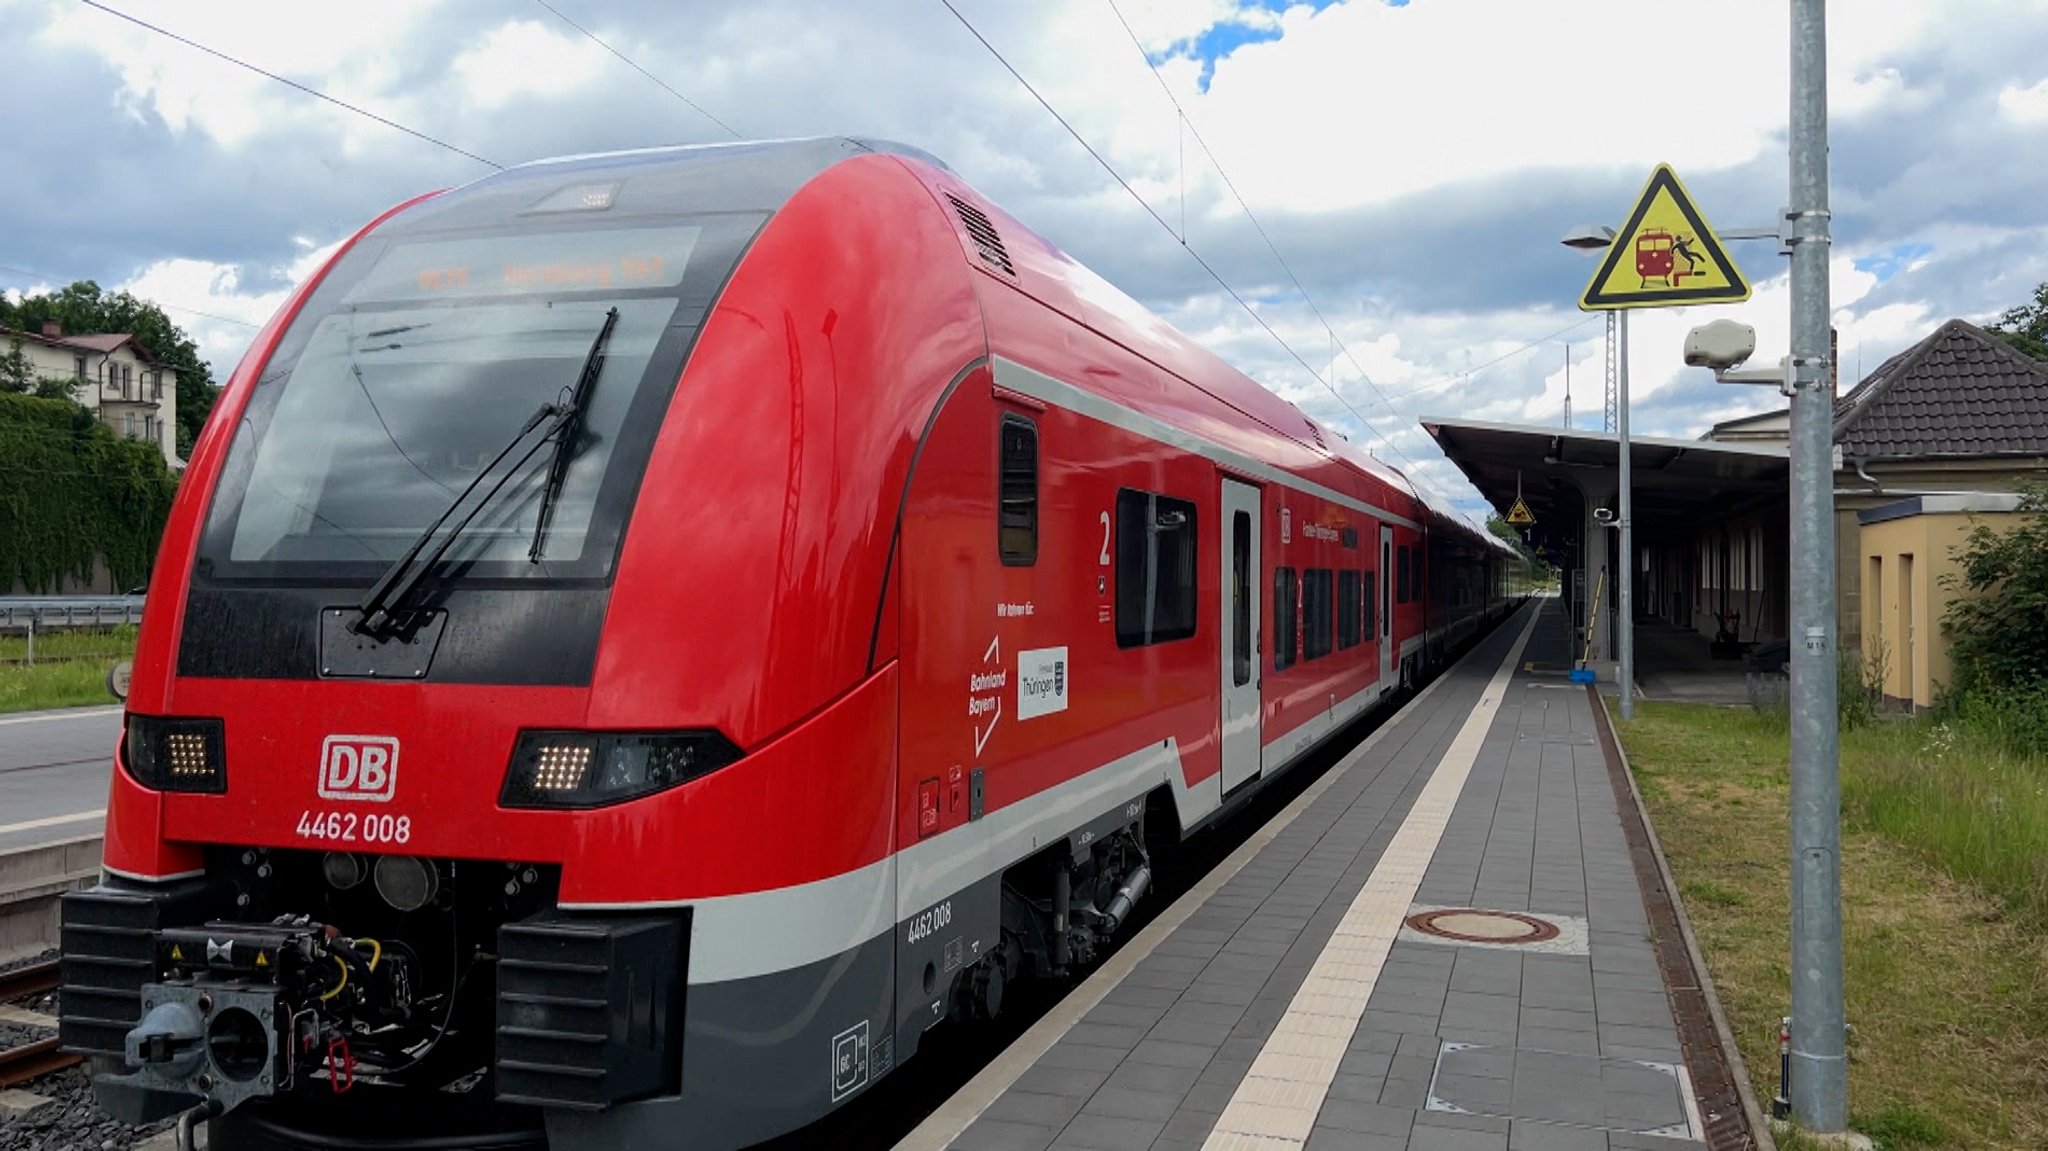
(242, 1011)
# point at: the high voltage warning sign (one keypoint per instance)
(1665, 256)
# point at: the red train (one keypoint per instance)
(644, 637)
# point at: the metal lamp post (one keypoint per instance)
(1593, 239)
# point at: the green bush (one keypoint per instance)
(71, 490)
(1997, 625)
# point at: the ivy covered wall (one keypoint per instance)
(73, 493)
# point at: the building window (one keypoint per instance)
(1017, 523)
(156, 384)
(1315, 613)
(78, 362)
(1283, 618)
(1348, 603)
(1155, 568)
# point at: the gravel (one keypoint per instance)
(72, 1122)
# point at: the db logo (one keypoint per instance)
(363, 767)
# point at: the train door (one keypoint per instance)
(1386, 601)
(1240, 633)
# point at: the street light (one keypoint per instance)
(1589, 239)
(1592, 239)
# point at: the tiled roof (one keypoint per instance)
(98, 343)
(1959, 392)
(88, 343)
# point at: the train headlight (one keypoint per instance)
(165, 754)
(592, 769)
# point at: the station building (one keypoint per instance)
(1936, 439)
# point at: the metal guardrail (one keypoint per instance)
(48, 614)
(30, 616)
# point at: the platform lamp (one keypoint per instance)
(1593, 239)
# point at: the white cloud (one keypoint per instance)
(2027, 105)
(1447, 107)
(524, 59)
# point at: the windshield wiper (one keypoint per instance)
(398, 581)
(571, 426)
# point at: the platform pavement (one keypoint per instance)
(1294, 1008)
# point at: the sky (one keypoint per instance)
(1385, 182)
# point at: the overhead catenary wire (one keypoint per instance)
(1197, 257)
(599, 41)
(314, 92)
(1242, 203)
(1468, 373)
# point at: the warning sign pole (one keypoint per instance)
(1625, 585)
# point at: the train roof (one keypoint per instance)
(762, 175)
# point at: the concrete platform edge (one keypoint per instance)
(1753, 1116)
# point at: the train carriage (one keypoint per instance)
(645, 637)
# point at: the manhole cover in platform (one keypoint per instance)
(1630, 1095)
(1491, 927)
(1471, 925)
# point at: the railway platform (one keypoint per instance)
(1441, 945)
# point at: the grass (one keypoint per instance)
(70, 670)
(1945, 943)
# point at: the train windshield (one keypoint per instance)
(425, 360)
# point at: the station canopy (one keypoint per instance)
(1678, 484)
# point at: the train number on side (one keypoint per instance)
(937, 918)
(351, 827)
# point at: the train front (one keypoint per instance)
(434, 744)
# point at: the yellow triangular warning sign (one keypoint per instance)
(177, 954)
(1666, 255)
(1519, 514)
(262, 960)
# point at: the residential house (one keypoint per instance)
(113, 376)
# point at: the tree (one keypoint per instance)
(84, 308)
(2026, 327)
(17, 371)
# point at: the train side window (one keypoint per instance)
(1017, 521)
(1241, 598)
(1283, 618)
(1347, 609)
(1315, 613)
(1372, 603)
(1401, 582)
(1415, 570)
(1155, 568)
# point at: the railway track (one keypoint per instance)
(32, 1061)
(32, 979)
(35, 1058)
